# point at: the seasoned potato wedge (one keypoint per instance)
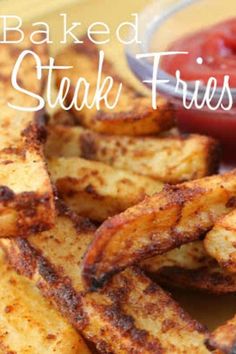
(190, 267)
(224, 338)
(211, 279)
(189, 256)
(132, 115)
(29, 324)
(131, 314)
(220, 242)
(26, 197)
(170, 159)
(97, 191)
(61, 117)
(177, 215)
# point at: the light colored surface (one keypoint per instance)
(32, 9)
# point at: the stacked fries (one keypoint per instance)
(87, 262)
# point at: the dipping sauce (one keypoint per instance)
(215, 45)
(217, 48)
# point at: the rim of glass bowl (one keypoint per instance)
(148, 25)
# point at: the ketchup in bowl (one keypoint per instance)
(217, 48)
(212, 53)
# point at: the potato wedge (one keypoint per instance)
(190, 267)
(61, 117)
(224, 338)
(131, 314)
(189, 256)
(133, 114)
(220, 242)
(177, 215)
(169, 159)
(97, 191)
(29, 323)
(26, 202)
(211, 279)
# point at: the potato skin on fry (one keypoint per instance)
(177, 215)
(211, 279)
(133, 115)
(29, 323)
(130, 314)
(220, 242)
(224, 338)
(171, 159)
(189, 256)
(26, 196)
(97, 191)
(190, 267)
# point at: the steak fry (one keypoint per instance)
(131, 314)
(170, 159)
(177, 215)
(26, 197)
(224, 337)
(190, 267)
(29, 324)
(97, 191)
(133, 115)
(220, 242)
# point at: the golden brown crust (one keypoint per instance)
(26, 196)
(97, 191)
(132, 116)
(220, 242)
(224, 338)
(190, 267)
(211, 279)
(171, 159)
(177, 215)
(129, 315)
(29, 323)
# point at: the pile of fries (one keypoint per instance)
(95, 218)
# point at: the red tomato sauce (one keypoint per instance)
(217, 47)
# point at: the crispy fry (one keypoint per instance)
(177, 215)
(190, 267)
(224, 337)
(62, 117)
(95, 190)
(26, 197)
(133, 115)
(220, 242)
(170, 159)
(190, 256)
(129, 315)
(29, 324)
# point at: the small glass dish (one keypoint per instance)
(163, 22)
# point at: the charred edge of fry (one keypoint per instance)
(201, 279)
(176, 195)
(226, 343)
(59, 289)
(81, 224)
(53, 285)
(30, 208)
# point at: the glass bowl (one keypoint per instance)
(163, 22)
